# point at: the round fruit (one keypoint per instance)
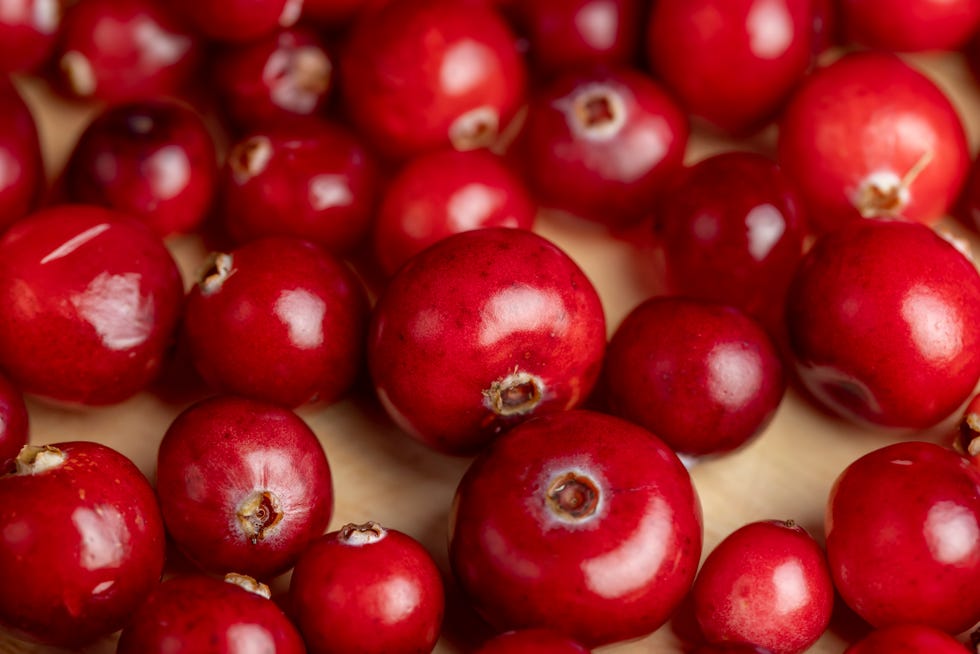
(14, 424)
(531, 641)
(22, 178)
(907, 639)
(910, 25)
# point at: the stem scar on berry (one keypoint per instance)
(259, 514)
(573, 497)
(516, 394)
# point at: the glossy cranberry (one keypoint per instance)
(767, 583)
(82, 543)
(28, 32)
(579, 522)
(531, 641)
(314, 181)
(480, 332)
(444, 193)
(120, 50)
(910, 25)
(367, 589)
(14, 424)
(334, 13)
(155, 160)
(884, 344)
(425, 74)
(91, 301)
(279, 320)
(903, 536)
(283, 76)
(731, 62)
(22, 177)
(602, 145)
(732, 230)
(870, 136)
(907, 639)
(238, 21)
(702, 376)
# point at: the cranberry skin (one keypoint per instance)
(480, 332)
(903, 536)
(733, 63)
(196, 613)
(578, 522)
(14, 424)
(910, 25)
(22, 177)
(367, 589)
(702, 376)
(316, 181)
(155, 160)
(91, 299)
(869, 136)
(83, 542)
(121, 50)
(767, 583)
(443, 193)
(279, 320)
(531, 641)
(238, 21)
(28, 32)
(730, 648)
(881, 344)
(334, 13)
(907, 639)
(423, 75)
(602, 145)
(732, 230)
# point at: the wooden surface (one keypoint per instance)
(382, 475)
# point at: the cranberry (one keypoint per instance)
(730, 648)
(22, 177)
(481, 331)
(14, 423)
(443, 193)
(910, 25)
(579, 522)
(119, 50)
(884, 344)
(334, 13)
(315, 181)
(82, 543)
(425, 74)
(870, 136)
(731, 62)
(28, 32)
(531, 641)
(239, 21)
(767, 583)
(702, 376)
(903, 536)
(907, 639)
(195, 613)
(91, 299)
(603, 144)
(367, 589)
(154, 159)
(277, 319)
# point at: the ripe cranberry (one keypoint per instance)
(880, 343)
(196, 613)
(870, 136)
(731, 62)
(603, 144)
(907, 639)
(120, 50)
(91, 298)
(531, 641)
(82, 543)
(481, 331)
(238, 21)
(425, 74)
(367, 589)
(279, 320)
(702, 376)
(903, 536)
(28, 32)
(767, 583)
(579, 522)
(443, 193)
(154, 159)
(730, 648)
(910, 25)
(334, 13)
(732, 230)
(283, 76)
(22, 177)
(14, 424)
(314, 181)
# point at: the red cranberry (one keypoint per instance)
(886, 344)
(120, 50)
(14, 424)
(28, 32)
(155, 160)
(195, 613)
(279, 320)
(907, 639)
(91, 298)
(22, 177)
(603, 144)
(425, 74)
(903, 537)
(729, 648)
(82, 543)
(767, 583)
(481, 331)
(579, 522)
(334, 13)
(444, 193)
(702, 376)
(910, 25)
(731, 62)
(531, 641)
(367, 589)
(315, 181)
(239, 21)
(869, 136)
